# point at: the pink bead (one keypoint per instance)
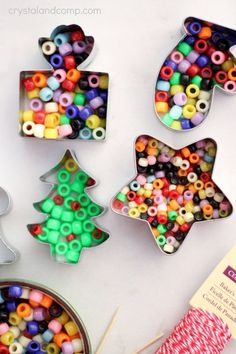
(200, 144)
(141, 180)
(230, 86)
(60, 75)
(158, 199)
(218, 57)
(175, 228)
(65, 49)
(203, 203)
(151, 160)
(143, 140)
(200, 153)
(152, 211)
(180, 200)
(65, 130)
(55, 326)
(36, 296)
(160, 174)
(224, 205)
(171, 240)
(215, 214)
(39, 314)
(177, 57)
(164, 157)
(66, 99)
(3, 328)
(93, 81)
(180, 99)
(157, 192)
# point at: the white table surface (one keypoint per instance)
(133, 38)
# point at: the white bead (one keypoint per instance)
(133, 204)
(22, 326)
(99, 133)
(25, 293)
(210, 192)
(125, 190)
(192, 177)
(176, 244)
(48, 48)
(15, 348)
(202, 106)
(196, 208)
(182, 211)
(28, 128)
(15, 330)
(77, 345)
(188, 217)
(39, 130)
(38, 338)
(172, 187)
(176, 161)
(148, 186)
(168, 248)
(143, 162)
(204, 95)
(219, 197)
(24, 341)
(51, 107)
(162, 207)
(30, 317)
(165, 149)
(185, 165)
(160, 145)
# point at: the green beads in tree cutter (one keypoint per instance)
(68, 228)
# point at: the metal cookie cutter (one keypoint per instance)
(7, 254)
(58, 299)
(202, 61)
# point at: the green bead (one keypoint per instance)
(63, 190)
(67, 216)
(75, 245)
(44, 235)
(184, 48)
(66, 228)
(122, 197)
(161, 240)
(175, 78)
(77, 187)
(68, 201)
(72, 256)
(167, 120)
(86, 239)
(81, 177)
(79, 99)
(88, 226)
(77, 227)
(53, 237)
(61, 248)
(47, 205)
(63, 176)
(83, 199)
(172, 215)
(94, 209)
(64, 119)
(162, 228)
(196, 80)
(56, 212)
(53, 224)
(81, 214)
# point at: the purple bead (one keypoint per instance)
(15, 291)
(203, 203)
(190, 40)
(32, 328)
(56, 61)
(180, 199)
(56, 95)
(91, 94)
(103, 95)
(96, 102)
(193, 56)
(36, 105)
(86, 112)
(79, 47)
(197, 118)
(11, 306)
(215, 214)
(67, 348)
(33, 347)
(72, 112)
(202, 61)
(188, 195)
(39, 314)
(180, 99)
(183, 66)
(194, 27)
(171, 63)
(164, 157)
(65, 49)
(186, 124)
(160, 174)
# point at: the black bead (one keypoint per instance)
(198, 170)
(142, 169)
(55, 310)
(214, 204)
(184, 79)
(159, 166)
(143, 216)
(168, 166)
(83, 83)
(174, 180)
(5, 294)
(102, 112)
(148, 201)
(140, 154)
(198, 216)
(171, 102)
(215, 67)
(206, 84)
(151, 170)
(4, 315)
(223, 44)
(43, 325)
(170, 225)
(180, 235)
(183, 180)
(73, 135)
(170, 175)
(77, 124)
(196, 199)
(192, 148)
(154, 223)
(80, 58)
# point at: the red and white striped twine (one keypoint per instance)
(199, 332)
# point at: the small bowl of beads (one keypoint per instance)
(34, 319)
(200, 62)
(64, 102)
(172, 190)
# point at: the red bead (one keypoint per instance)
(193, 70)
(169, 233)
(173, 194)
(165, 192)
(211, 50)
(166, 72)
(131, 195)
(36, 230)
(162, 219)
(4, 349)
(29, 84)
(90, 182)
(166, 182)
(221, 77)
(39, 117)
(139, 199)
(201, 46)
(58, 199)
(185, 227)
(75, 205)
(161, 96)
(68, 85)
(206, 73)
(190, 169)
(70, 237)
(77, 36)
(69, 61)
(205, 177)
(97, 234)
(118, 204)
(150, 219)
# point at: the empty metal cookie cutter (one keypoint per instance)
(7, 254)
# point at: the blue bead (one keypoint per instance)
(175, 112)
(103, 95)
(48, 335)
(85, 112)
(72, 112)
(171, 63)
(91, 94)
(11, 306)
(85, 133)
(163, 85)
(46, 94)
(33, 347)
(53, 83)
(56, 61)
(1, 299)
(151, 179)
(208, 158)
(186, 123)
(190, 40)
(15, 291)
(202, 61)
(32, 328)
(194, 27)
(134, 186)
(216, 36)
(61, 38)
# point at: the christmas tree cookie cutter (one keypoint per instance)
(202, 61)
(7, 254)
(68, 228)
(64, 102)
(172, 190)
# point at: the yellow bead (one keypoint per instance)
(7, 338)
(14, 319)
(64, 318)
(71, 166)
(212, 151)
(174, 205)
(189, 111)
(147, 193)
(191, 101)
(50, 133)
(103, 123)
(143, 208)
(153, 143)
(171, 152)
(202, 194)
(176, 89)
(33, 94)
(71, 328)
(141, 191)
(52, 348)
(52, 120)
(103, 82)
(28, 116)
(198, 185)
(205, 166)
(180, 220)
(162, 107)
(176, 125)
(93, 121)
(134, 212)
(192, 91)
(189, 207)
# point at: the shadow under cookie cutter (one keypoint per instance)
(7, 254)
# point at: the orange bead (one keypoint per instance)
(152, 151)
(185, 152)
(61, 109)
(158, 184)
(46, 301)
(60, 338)
(139, 146)
(76, 336)
(162, 107)
(174, 205)
(23, 310)
(40, 80)
(180, 189)
(182, 173)
(73, 75)
(194, 158)
(192, 188)
(232, 74)
(205, 33)
(207, 209)
(33, 304)
(209, 184)
(155, 232)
